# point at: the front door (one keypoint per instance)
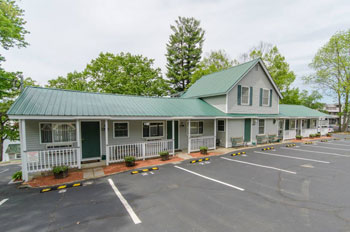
(90, 140)
(247, 126)
(170, 132)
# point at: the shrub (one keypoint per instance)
(329, 134)
(59, 169)
(17, 175)
(203, 148)
(129, 159)
(318, 135)
(312, 135)
(299, 137)
(163, 153)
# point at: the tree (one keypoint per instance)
(12, 33)
(184, 51)
(331, 66)
(215, 61)
(121, 73)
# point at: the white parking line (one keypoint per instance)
(4, 171)
(3, 201)
(131, 212)
(293, 157)
(208, 178)
(258, 165)
(329, 147)
(338, 144)
(317, 152)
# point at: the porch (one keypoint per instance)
(290, 128)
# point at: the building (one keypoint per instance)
(63, 127)
(13, 151)
(332, 109)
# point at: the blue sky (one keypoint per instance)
(66, 35)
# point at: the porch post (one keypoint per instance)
(214, 134)
(189, 137)
(173, 135)
(79, 155)
(106, 139)
(22, 135)
(226, 133)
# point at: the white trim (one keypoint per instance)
(22, 134)
(56, 143)
(226, 103)
(81, 138)
(154, 137)
(178, 134)
(268, 97)
(122, 137)
(226, 134)
(198, 127)
(245, 104)
(224, 125)
(259, 126)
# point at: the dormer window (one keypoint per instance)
(245, 95)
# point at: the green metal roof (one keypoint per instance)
(13, 149)
(37, 101)
(299, 111)
(219, 82)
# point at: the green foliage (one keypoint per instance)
(163, 153)
(203, 148)
(215, 61)
(299, 137)
(129, 159)
(184, 51)
(116, 73)
(296, 97)
(59, 169)
(312, 135)
(17, 175)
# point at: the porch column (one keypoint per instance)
(226, 133)
(79, 153)
(22, 136)
(189, 137)
(106, 139)
(283, 129)
(173, 135)
(214, 134)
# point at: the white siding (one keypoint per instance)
(218, 102)
(235, 129)
(257, 79)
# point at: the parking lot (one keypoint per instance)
(301, 188)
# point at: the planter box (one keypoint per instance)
(204, 152)
(61, 175)
(130, 164)
(164, 157)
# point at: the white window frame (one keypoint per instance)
(53, 143)
(218, 126)
(313, 124)
(242, 103)
(16, 156)
(268, 97)
(259, 126)
(152, 137)
(290, 124)
(121, 137)
(198, 127)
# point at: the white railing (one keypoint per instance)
(324, 131)
(289, 134)
(204, 141)
(45, 160)
(306, 132)
(116, 153)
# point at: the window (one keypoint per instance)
(57, 132)
(266, 97)
(261, 126)
(292, 124)
(152, 129)
(313, 123)
(18, 156)
(121, 129)
(245, 95)
(196, 128)
(221, 125)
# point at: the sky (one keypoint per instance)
(65, 35)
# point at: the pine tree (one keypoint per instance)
(184, 51)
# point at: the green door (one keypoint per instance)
(90, 140)
(247, 125)
(170, 132)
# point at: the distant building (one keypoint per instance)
(332, 109)
(13, 151)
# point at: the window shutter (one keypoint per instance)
(251, 96)
(261, 96)
(270, 97)
(239, 91)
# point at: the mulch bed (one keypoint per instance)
(120, 167)
(199, 155)
(310, 139)
(51, 181)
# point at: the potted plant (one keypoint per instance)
(318, 135)
(204, 150)
(129, 161)
(17, 176)
(299, 137)
(60, 172)
(164, 155)
(329, 135)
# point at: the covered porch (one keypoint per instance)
(289, 128)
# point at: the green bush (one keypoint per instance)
(318, 135)
(312, 135)
(203, 148)
(129, 159)
(162, 153)
(329, 134)
(17, 175)
(299, 137)
(59, 169)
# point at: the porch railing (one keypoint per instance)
(307, 132)
(45, 160)
(289, 134)
(197, 142)
(324, 131)
(116, 153)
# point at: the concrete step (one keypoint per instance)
(102, 163)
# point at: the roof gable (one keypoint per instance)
(221, 82)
